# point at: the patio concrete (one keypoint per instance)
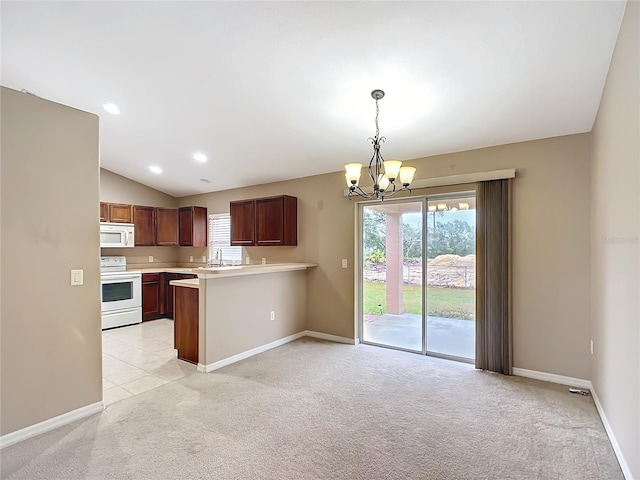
(448, 336)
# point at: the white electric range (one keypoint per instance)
(120, 293)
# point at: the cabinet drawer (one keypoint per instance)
(150, 277)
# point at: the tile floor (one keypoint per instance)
(138, 358)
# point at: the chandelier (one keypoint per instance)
(384, 181)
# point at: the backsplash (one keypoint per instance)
(139, 256)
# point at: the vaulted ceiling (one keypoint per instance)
(277, 90)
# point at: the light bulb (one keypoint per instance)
(406, 175)
(442, 207)
(463, 206)
(353, 172)
(349, 184)
(432, 208)
(391, 168)
(383, 182)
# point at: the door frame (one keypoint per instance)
(464, 191)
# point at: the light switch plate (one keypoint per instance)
(344, 263)
(191, 258)
(77, 277)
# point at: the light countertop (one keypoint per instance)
(189, 283)
(186, 270)
(229, 271)
(238, 270)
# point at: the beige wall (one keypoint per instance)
(235, 325)
(51, 332)
(550, 245)
(118, 189)
(615, 233)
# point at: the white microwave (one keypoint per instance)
(116, 235)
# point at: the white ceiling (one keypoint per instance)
(278, 90)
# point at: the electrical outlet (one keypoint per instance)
(344, 263)
(204, 258)
(264, 261)
(191, 258)
(272, 315)
(247, 261)
(591, 347)
(150, 258)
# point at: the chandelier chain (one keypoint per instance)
(377, 114)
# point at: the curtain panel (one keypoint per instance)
(493, 276)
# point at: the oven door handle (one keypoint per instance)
(119, 278)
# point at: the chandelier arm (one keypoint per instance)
(374, 178)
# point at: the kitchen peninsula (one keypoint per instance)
(243, 309)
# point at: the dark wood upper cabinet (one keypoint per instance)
(242, 222)
(166, 226)
(120, 213)
(144, 221)
(193, 226)
(265, 221)
(276, 221)
(116, 212)
(104, 212)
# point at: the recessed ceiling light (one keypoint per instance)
(111, 108)
(155, 169)
(200, 157)
(205, 180)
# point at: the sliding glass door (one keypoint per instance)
(417, 275)
(391, 267)
(451, 277)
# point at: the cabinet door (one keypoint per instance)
(242, 222)
(193, 226)
(185, 215)
(150, 296)
(104, 212)
(186, 324)
(168, 293)
(144, 221)
(166, 226)
(120, 213)
(270, 221)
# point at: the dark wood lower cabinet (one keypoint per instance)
(185, 326)
(157, 294)
(168, 291)
(151, 296)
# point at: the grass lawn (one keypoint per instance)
(441, 302)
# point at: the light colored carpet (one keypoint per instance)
(313, 409)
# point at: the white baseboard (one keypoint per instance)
(626, 471)
(249, 353)
(552, 377)
(581, 383)
(50, 424)
(331, 338)
(263, 348)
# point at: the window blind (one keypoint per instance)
(220, 237)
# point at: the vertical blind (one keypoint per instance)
(493, 277)
(220, 237)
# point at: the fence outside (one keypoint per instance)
(442, 272)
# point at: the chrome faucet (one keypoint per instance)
(217, 259)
